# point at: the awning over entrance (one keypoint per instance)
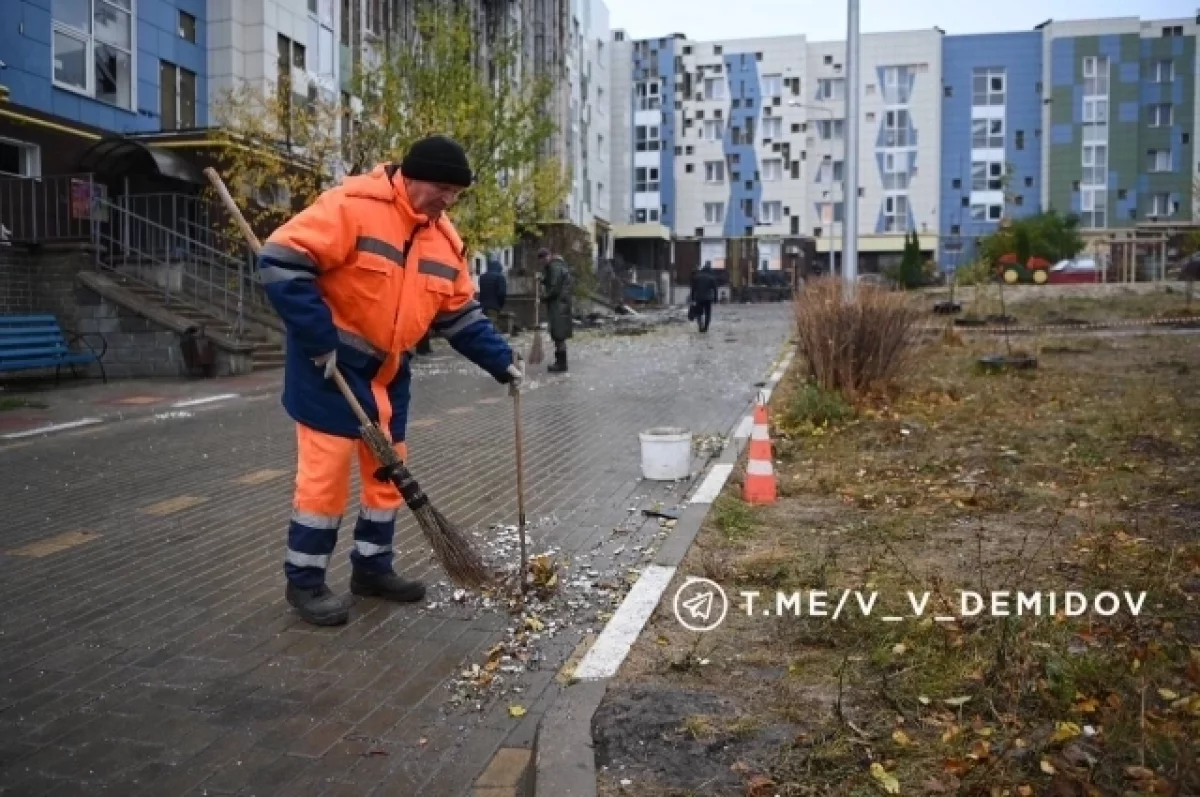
(118, 157)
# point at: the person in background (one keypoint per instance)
(493, 290)
(556, 294)
(704, 293)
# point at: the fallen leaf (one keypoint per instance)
(951, 732)
(1025, 791)
(422, 741)
(885, 779)
(1087, 706)
(516, 711)
(1047, 767)
(901, 738)
(957, 701)
(935, 786)
(899, 648)
(740, 767)
(923, 700)
(957, 766)
(1064, 731)
(759, 786)
(1139, 773)
(1167, 694)
(979, 750)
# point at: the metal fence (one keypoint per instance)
(60, 208)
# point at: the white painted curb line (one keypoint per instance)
(54, 427)
(608, 653)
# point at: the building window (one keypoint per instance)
(769, 213)
(19, 159)
(1161, 115)
(1095, 110)
(987, 133)
(1164, 71)
(987, 87)
(895, 173)
(772, 128)
(1095, 76)
(649, 95)
(187, 27)
(646, 138)
(1172, 30)
(374, 17)
(831, 89)
(772, 85)
(176, 97)
(1158, 160)
(714, 171)
(645, 179)
(93, 49)
(714, 212)
(714, 88)
(987, 176)
(772, 170)
(320, 36)
(895, 213)
(1160, 205)
(713, 130)
(830, 171)
(1020, 140)
(1095, 165)
(831, 129)
(1093, 202)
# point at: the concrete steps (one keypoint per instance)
(265, 356)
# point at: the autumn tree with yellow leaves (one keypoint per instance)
(279, 151)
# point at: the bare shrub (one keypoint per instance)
(854, 346)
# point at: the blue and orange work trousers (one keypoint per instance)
(322, 493)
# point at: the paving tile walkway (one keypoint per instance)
(145, 647)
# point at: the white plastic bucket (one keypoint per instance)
(666, 453)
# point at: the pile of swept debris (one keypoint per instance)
(564, 597)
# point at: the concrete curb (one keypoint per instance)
(564, 759)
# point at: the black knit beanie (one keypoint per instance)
(437, 159)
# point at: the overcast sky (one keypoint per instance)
(825, 20)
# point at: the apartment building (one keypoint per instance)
(744, 141)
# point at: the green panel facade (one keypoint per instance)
(1138, 123)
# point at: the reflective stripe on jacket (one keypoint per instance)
(361, 272)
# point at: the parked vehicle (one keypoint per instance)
(1079, 270)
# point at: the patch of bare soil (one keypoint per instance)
(1078, 476)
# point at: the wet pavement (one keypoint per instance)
(145, 647)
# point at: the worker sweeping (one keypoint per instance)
(359, 278)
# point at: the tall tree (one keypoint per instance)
(275, 145)
(497, 113)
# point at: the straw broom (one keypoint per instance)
(452, 548)
(536, 353)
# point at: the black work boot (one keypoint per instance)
(318, 605)
(560, 363)
(388, 586)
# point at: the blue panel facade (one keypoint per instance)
(655, 59)
(26, 48)
(666, 68)
(741, 69)
(1020, 55)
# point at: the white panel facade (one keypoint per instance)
(899, 166)
(703, 172)
(599, 99)
(824, 166)
(621, 125)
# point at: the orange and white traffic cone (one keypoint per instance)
(759, 486)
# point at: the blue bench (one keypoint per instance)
(29, 342)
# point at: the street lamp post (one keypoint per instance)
(850, 190)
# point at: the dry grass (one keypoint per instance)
(853, 347)
(1080, 475)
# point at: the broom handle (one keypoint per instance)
(516, 394)
(252, 239)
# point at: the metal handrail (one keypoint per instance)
(161, 258)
